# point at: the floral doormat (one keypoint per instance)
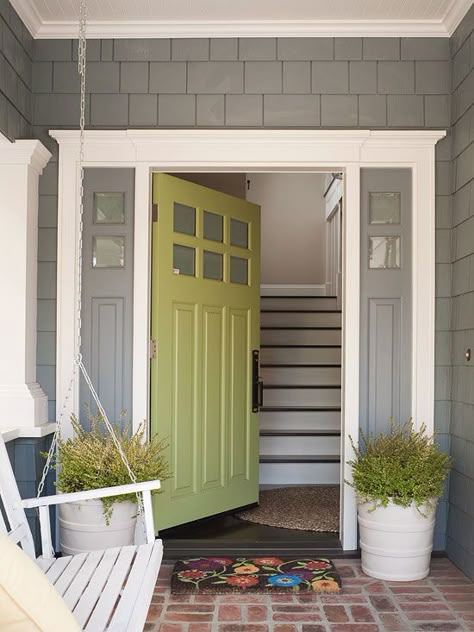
(255, 574)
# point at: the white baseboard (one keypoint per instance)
(278, 289)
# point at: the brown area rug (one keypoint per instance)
(308, 508)
(266, 574)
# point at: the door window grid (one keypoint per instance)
(224, 258)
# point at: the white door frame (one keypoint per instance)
(247, 151)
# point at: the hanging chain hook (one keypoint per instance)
(78, 366)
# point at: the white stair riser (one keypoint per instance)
(302, 397)
(300, 355)
(297, 303)
(300, 319)
(298, 375)
(299, 473)
(300, 336)
(301, 420)
(300, 445)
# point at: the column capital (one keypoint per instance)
(25, 152)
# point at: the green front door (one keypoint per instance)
(205, 321)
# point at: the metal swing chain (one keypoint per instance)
(78, 361)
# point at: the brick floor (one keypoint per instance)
(443, 602)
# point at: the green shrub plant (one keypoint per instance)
(90, 460)
(403, 466)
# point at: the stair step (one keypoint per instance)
(301, 409)
(300, 473)
(277, 354)
(296, 420)
(295, 318)
(299, 336)
(300, 458)
(298, 445)
(306, 374)
(277, 303)
(300, 433)
(302, 396)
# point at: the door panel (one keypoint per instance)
(205, 320)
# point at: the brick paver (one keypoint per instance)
(443, 602)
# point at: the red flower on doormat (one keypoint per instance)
(317, 565)
(225, 561)
(191, 574)
(242, 581)
(268, 561)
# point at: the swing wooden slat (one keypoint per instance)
(105, 590)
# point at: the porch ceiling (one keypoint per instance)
(221, 18)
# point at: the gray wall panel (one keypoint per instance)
(385, 370)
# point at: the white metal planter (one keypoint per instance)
(83, 527)
(396, 542)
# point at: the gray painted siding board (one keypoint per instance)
(16, 71)
(460, 526)
(210, 110)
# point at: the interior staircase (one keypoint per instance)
(300, 364)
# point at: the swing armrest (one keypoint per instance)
(105, 492)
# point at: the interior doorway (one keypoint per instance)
(300, 367)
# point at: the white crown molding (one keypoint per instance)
(57, 29)
(29, 15)
(455, 14)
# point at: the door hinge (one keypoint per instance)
(154, 212)
(152, 349)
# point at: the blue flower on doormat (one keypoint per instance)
(284, 580)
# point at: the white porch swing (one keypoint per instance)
(105, 590)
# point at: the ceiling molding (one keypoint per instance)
(97, 29)
(455, 14)
(29, 15)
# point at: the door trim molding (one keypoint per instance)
(247, 151)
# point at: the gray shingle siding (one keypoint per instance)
(16, 74)
(381, 83)
(460, 531)
(309, 82)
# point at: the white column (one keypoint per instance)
(23, 403)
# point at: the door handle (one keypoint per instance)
(257, 383)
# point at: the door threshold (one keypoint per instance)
(177, 549)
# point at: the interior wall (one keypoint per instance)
(293, 239)
(230, 183)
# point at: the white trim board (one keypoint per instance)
(116, 29)
(279, 289)
(265, 151)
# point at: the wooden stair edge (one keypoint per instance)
(300, 458)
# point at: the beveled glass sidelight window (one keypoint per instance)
(184, 219)
(109, 208)
(108, 252)
(384, 208)
(184, 260)
(384, 252)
